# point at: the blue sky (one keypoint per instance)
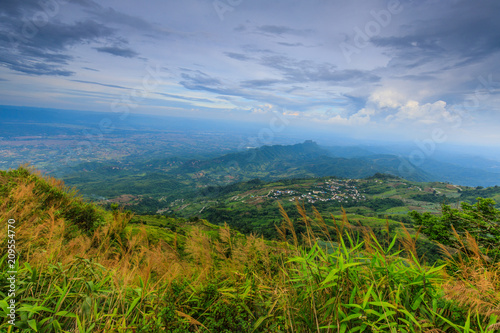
(373, 69)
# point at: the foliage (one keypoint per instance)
(481, 221)
(323, 276)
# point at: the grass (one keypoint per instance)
(327, 276)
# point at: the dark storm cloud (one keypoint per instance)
(118, 51)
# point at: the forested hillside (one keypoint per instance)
(82, 268)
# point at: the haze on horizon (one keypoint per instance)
(391, 70)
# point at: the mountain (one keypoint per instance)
(306, 159)
(460, 175)
(174, 178)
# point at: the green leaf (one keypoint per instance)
(4, 306)
(392, 243)
(417, 302)
(132, 306)
(331, 276)
(260, 321)
(34, 309)
(56, 325)
(367, 296)
(353, 316)
(383, 304)
(81, 327)
(32, 323)
(299, 259)
(467, 324)
(66, 314)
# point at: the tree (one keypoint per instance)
(481, 220)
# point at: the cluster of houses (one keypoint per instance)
(330, 190)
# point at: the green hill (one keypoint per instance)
(174, 178)
(80, 268)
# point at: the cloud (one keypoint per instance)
(310, 71)
(91, 69)
(240, 28)
(118, 51)
(262, 109)
(394, 107)
(445, 39)
(199, 81)
(17, 8)
(362, 117)
(100, 84)
(259, 83)
(386, 98)
(54, 36)
(291, 44)
(186, 98)
(35, 66)
(280, 30)
(43, 51)
(42, 46)
(110, 15)
(410, 77)
(237, 56)
(423, 63)
(429, 113)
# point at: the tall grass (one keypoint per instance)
(109, 276)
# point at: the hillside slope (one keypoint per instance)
(80, 268)
(179, 178)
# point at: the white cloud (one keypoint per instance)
(429, 113)
(386, 99)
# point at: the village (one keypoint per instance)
(330, 190)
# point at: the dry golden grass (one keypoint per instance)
(476, 282)
(253, 270)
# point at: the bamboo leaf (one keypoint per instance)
(132, 306)
(32, 324)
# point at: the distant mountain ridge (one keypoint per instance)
(176, 178)
(308, 159)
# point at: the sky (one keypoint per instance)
(394, 70)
